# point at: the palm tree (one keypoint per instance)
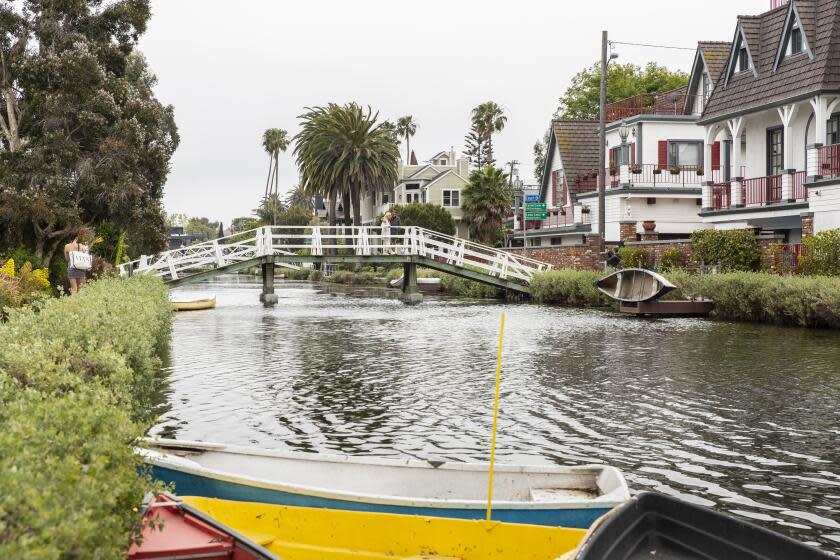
(275, 140)
(342, 149)
(300, 197)
(270, 207)
(486, 204)
(406, 128)
(487, 119)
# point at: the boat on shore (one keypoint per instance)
(634, 285)
(428, 285)
(569, 496)
(181, 302)
(187, 533)
(653, 525)
(299, 533)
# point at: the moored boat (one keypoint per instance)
(653, 525)
(429, 285)
(297, 533)
(173, 530)
(570, 496)
(634, 285)
(192, 303)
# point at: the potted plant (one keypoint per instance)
(657, 171)
(636, 169)
(612, 170)
(649, 225)
(563, 211)
(584, 210)
(675, 169)
(700, 171)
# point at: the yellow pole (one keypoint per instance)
(495, 419)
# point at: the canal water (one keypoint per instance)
(743, 418)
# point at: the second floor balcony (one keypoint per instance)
(758, 191)
(674, 103)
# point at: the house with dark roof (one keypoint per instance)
(655, 163)
(439, 181)
(773, 120)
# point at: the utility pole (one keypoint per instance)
(602, 125)
(513, 164)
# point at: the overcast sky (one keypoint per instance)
(233, 69)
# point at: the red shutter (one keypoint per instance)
(554, 188)
(716, 156)
(663, 154)
(612, 159)
(633, 154)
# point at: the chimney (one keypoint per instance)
(451, 155)
(464, 168)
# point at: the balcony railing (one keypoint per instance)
(762, 190)
(668, 103)
(721, 195)
(652, 174)
(799, 190)
(556, 219)
(829, 160)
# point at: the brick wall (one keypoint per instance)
(656, 248)
(584, 256)
(807, 223)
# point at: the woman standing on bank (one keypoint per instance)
(78, 261)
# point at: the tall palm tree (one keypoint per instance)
(486, 204)
(406, 128)
(275, 140)
(300, 197)
(343, 148)
(487, 119)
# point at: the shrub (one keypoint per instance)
(429, 216)
(807, 301)
(315, 276)
(633, 257)
(734, 250)
(76, 382)
(672, 259)
(22, 286)
(821, 253)
(567, 287)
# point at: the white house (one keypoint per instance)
(775, 112)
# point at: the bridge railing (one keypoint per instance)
(335, 240)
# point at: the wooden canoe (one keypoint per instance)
(185, 303)
(297, 533)
(429, 285)
(634, 285)
(189, 533)
(571, 496)
(654, 525)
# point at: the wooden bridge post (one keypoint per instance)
(268, 297)
(410, 291)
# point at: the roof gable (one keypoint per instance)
(425, 172)
(793, 19)
(444, 174)
(577, 143)
(738, 42)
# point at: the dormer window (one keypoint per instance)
(743, 60)
(795, 43)
(707, 87)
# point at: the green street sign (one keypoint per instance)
(535, 207)
(536, 215)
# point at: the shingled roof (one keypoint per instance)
(577, 142)
(795, 77)
(716, 54)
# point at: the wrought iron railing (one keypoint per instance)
(829, 160)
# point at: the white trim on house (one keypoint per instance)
(740, 38)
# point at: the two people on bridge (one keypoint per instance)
(391, 227)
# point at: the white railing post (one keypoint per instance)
(220, 259)
(503, 275)
(259, 244)
(316, 240)
(171, 264)
(364, 240)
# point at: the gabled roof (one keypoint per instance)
(793, 16)
(795, 77)
(442, 175)
(577, 142)
(443, 153)
(714, 54)
(745, 33)
(416, 174)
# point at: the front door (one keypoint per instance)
(775, 151)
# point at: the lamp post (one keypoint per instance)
(602, 154)
(623, 133)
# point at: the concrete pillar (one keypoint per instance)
(736, 128)
(410, 291)
(813, 162)
(786, 114)
(268, 297)
(706, 195)
(787, 185)
(627, 230)
(624, 175)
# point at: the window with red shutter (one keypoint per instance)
(716, 156)
(663, 154)
(633, 154)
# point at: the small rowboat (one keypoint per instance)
(297, 533)
(539, 495)
(653, 525)
(186, 303)
(189, 533)
(634, 285)
(429, 285)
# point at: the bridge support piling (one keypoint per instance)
(268, 297)
(410, 291)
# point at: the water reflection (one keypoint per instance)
(739, 417)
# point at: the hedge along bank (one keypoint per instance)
(76, 379)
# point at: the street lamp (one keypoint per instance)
(623, 133)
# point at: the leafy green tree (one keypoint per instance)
(343, 149)
(196, 225)
(406, 128)
(270, 208)
(82, 137)
(475, 148)
(582, 98)
(275, 140)
(486, 204)
(426, 215)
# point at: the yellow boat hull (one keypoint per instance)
(194, 305)
(297, 533)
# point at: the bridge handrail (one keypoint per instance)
(363, 240)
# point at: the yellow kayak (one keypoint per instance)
(298, 533)
(193, 304)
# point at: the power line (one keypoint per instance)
(652, 46)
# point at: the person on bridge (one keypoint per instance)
(396, 230)
(385, 225)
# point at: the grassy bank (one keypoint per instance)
(76, 376)
(807, 301)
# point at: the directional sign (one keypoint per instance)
(532, 198)
(535, 207)
(536, 215)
